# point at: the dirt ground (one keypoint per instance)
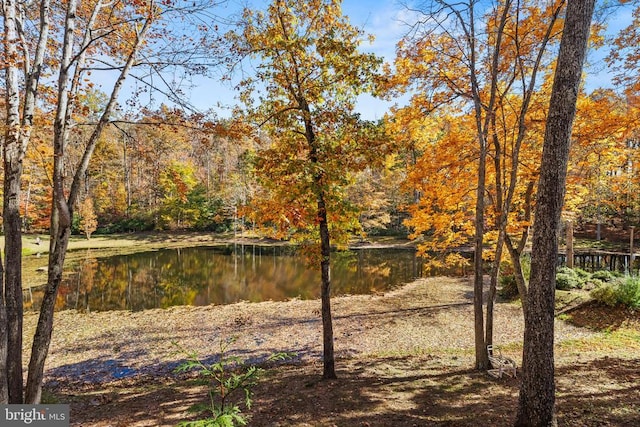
(404, 358)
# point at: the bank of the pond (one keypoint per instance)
(424, 315)
(404, 357)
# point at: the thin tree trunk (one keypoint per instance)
(4, 387)
(60, 219)
(44, 329)
(515, 252)
(62, 209)
(329, 371)
(482, 126)
(26, 208)
(521, 283)
(493, 288)
(482, 360)
(127, 173)
(59, 231)
(498, 153)
(537, 391)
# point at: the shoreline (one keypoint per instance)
(35, 263)
(403, 356)
(401, 321)
(409, 349)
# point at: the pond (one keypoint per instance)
(223, 275)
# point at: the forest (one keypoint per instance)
(494, 126)
(168, 168)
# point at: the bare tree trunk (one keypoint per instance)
(482, 127)
(127, 172)
(482, 359)
(632, 252)
(13, 156)
(17, 135)
(493, 289)
(13, 276)
(44, 329)
(537, 392)
(502, 220)
(62, 209)
(515, 254)
(4, 387)
(27, 200)
(60, 216)
(329, 371)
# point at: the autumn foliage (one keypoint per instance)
(434, 163)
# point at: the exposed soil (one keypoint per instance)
(403, 359)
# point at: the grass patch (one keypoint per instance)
(419, 352)
(49, 397)
(624, 339)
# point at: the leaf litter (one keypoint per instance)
(404, 358)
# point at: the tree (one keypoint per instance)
(23, 67)
(376, 196)
(310, 72)
(625, 57)
(88, 220)
(71, 69)
(536, 405)
(477, 73)
(92, 37)
(177, 184)
(601, 177)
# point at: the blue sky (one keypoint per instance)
(383, 19)
(380, 18)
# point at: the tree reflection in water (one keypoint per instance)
(224, 275)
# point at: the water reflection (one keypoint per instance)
(223, 275)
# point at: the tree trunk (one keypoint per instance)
(515, 254)
(482, 127)
(13, 272)
(537, 392)
(17, 135)
(493, 288)
(62, 209)
(60, 230)
(13, 156)
(329, 371)
(569, 244)
(4, 387)
(482, 358)
(25, 217)
(502, 231)
(60, 217)
(632, 252)
(42, 338)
